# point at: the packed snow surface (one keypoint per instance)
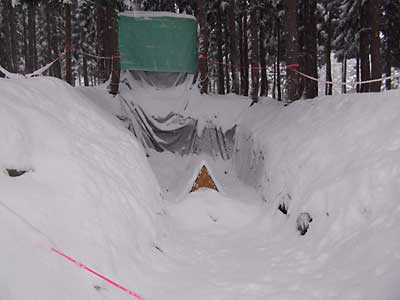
(92, 193)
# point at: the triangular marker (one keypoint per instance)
(204, 180)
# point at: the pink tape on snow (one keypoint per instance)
(75, 262)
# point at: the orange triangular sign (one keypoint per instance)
(204, 180)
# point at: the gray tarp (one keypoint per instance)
(176, 133)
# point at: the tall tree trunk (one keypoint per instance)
(11, 31)
(344, 75)
(263, 61)
(50, 55)
(5, 37)
(254, 30)
(25, 39)
(68, 44)
(311, 86)
(375, 18)
(388, 64)
(34, 47)
(55, 43)
(291, 49)
(233, 34)
(364, 49)
(274, 81)
(328, 47)
(116, 67)
(100, 32)
(85, 69)
(278, 79)
(226, 54)
(358, 86)
(203, 45)
(278, 60)
(31, 32)
(107, 40)
(241, 58)
(220, 67)
(245, 56)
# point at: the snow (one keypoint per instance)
(92, 193)
(155, 14)
(209, 211)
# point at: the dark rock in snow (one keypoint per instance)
(303, 222)
(283, 208)
(15, 173)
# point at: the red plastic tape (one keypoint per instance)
(117, 285)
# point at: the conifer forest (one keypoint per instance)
(247, 47)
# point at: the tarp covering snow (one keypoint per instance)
(158, 42)
(173, 132)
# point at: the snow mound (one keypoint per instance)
(207, 210)
(336, 158)
(89, 193)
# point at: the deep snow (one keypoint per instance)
(92, 193)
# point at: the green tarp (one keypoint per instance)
(158, 42)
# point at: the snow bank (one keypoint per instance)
(89, 193)
(337, 158)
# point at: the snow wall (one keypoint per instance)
(89, 192)
(336, 158)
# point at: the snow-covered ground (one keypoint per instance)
(92, 193)
(89, 193)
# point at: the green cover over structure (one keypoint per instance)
(158, 42)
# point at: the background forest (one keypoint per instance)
(245, 47)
